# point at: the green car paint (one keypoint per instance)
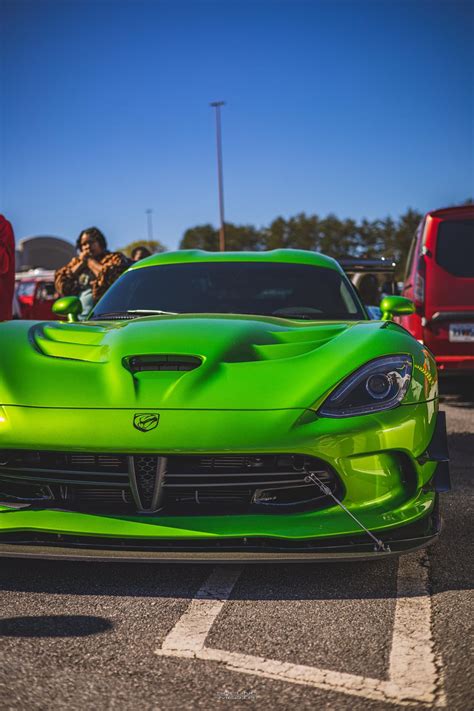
(400, 305)
(279, 256)
(259, 387)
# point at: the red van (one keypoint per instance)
(439, 279)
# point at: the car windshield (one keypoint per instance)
(263, 288)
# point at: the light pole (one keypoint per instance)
(149, 220)
(217, 106)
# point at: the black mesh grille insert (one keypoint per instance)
(145, 473)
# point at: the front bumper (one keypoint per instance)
(244, 550)
(455, 365)
(377, 457)
(326, 534)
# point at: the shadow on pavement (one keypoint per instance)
(457, 392)
(295, 581)
(53, 626)
(461, 447)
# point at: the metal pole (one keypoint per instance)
(149, 223)
(217, 105)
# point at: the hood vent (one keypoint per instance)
(139, 364)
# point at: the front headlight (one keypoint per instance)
(378, 385)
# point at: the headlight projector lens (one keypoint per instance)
(378, 386)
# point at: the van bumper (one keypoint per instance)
(455, 365)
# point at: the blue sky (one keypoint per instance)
(360, 108)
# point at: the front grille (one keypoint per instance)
(82, 481)
(263, 482)
(63, 467)
(179, 484)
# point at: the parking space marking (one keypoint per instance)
(188, 636)
(414, 672)
(413, 664)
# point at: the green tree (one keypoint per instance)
(407, 225)
(242, 237)
(152, 244)
(237, 238)
(275, 236)
(337, 238)
(299, 232)
(330, 235)
(200, 237)
(370, 238)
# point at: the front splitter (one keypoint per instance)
(241, 551)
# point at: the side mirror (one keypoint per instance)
(69, 306)
(391, 306)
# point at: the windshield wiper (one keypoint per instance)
(158, 312)
(131, 313)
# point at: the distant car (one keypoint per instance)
(35, 294)
(439, 279)
(220, 406)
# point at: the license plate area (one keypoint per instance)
(461, 332)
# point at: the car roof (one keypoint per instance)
(35, 275)
(448, 211)
(285, 256)
(370, 266)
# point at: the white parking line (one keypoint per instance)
(413, 664)
(414, 675)
(188, 636)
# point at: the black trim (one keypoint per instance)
(442, 478)
(438, 451)
(368, 265)
(450, 315)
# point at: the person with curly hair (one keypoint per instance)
(92, 272)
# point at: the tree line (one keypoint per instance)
(330, 235)
(385, 237)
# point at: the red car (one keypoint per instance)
(35, 294)
(440, 280)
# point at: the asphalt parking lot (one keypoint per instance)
(353, 636)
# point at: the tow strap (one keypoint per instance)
(311, 478)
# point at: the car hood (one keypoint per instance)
(243, 362)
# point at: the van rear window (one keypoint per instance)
(455, 247)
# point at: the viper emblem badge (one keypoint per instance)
(145, 421)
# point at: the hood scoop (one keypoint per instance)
(73, 341)
(147, 363)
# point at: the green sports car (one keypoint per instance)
(220, 406)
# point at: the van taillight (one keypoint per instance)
(419, 284)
